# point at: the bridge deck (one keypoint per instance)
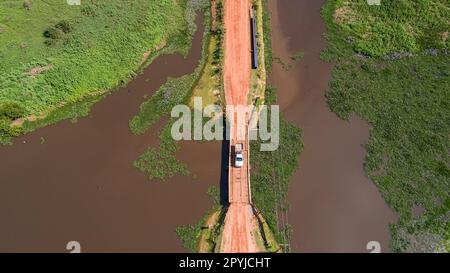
(240, 220)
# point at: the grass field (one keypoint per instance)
(401, 86)
(270, 177)
(54, 54)
(210, 84)
(393, 26)
(258, 76)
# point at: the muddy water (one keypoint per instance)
(334, 206)
(80, 184)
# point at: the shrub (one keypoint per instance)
(64, 26)
(27, 4)
(7, 132)
(53, 33)
(11, 111)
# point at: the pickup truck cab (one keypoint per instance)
(239, 157)
(239, 163)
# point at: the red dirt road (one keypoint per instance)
(237, 51)
(239, 221)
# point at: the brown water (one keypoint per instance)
(334, 206)
(80, 185)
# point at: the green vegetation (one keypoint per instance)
(11, 111)
(8, 113)
(267, 37)
(393, 26)
(190, 235)
(53, 54)
(270, 177)
(71, 111)
(402, 88)
(258, 76)
(56, 32)
(271, 171)
(6, 131)
(210, 84)
(160, 163)
(204, 236)
(218, 32)
(264, 237)
(174, 91)
(285, 65)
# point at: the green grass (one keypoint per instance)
(272, 171)
(267, 37)
(405, 99)
(174, 92)
(93, 47)
(394, 26)
(258, 76)
(72, 111)
(210, 85)
(160, 163)
(271, 174)
(190, 235)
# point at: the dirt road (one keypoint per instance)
(237, 51)
(239, 221)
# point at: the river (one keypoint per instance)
(80, 184)
(334, 207)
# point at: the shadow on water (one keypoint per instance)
(225, 156)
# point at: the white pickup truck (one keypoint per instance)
(239, 157)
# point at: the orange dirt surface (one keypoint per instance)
(237, 51)
(237, 236)
(239, 221)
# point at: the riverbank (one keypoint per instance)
(393, 71)
(269, 188)
(63, 57)
(160, 163)
(333, 206)
(76, 181)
